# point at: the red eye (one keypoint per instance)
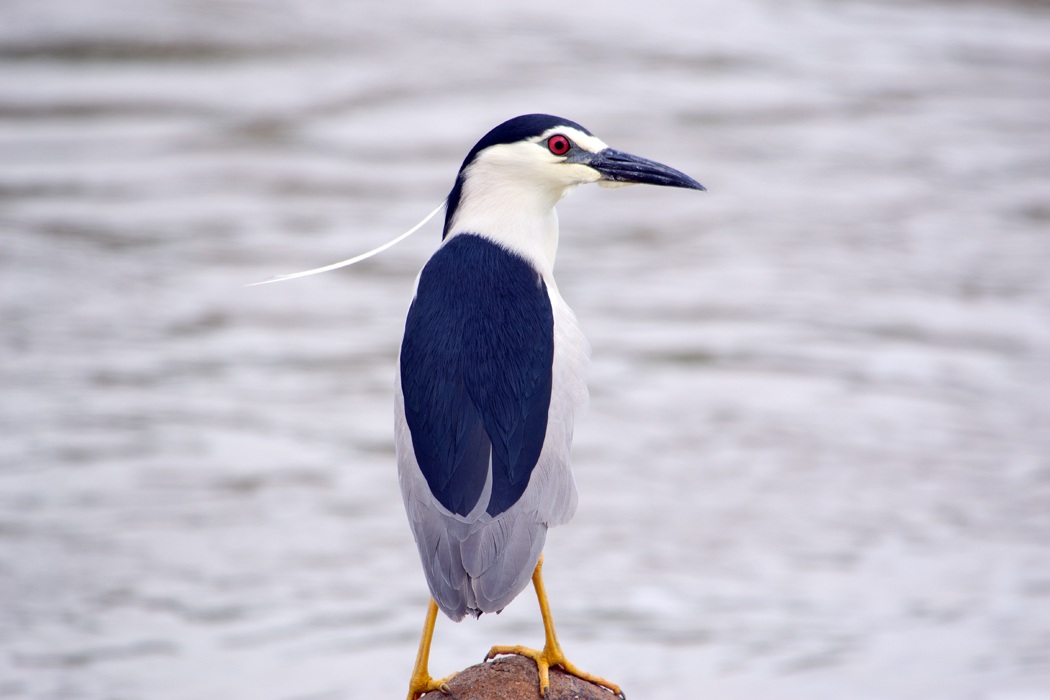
(559, 145)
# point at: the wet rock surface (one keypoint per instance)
(515, 678)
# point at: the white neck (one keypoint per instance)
(510, 204)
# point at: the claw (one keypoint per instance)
(421, 685)
(551, 655)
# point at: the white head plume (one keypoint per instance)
(356, 258)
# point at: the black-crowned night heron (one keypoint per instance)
(491, 372)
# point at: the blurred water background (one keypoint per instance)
(816, 458)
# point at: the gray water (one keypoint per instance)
(817, 457)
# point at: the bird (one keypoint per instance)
(491, 370)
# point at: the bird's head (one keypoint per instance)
(536, 159)
(510, 181)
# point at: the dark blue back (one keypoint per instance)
(476, 365)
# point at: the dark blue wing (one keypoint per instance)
(476, 365)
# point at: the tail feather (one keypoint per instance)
(479, 568)
(510, 572)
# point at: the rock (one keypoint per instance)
(515, 678)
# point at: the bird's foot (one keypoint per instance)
(552, 657)
(422, 683)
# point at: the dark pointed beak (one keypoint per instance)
(618, 166)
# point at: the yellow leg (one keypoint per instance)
(552, 655)
(421, 681)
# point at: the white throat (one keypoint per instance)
(514, 211)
